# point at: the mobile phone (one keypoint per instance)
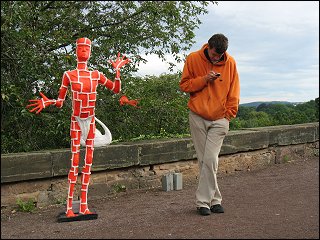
(214, 74)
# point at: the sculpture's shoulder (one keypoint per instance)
(95, 73)
(71, 73)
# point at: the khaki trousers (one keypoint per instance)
(207, 137)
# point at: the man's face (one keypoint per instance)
(213, 55)
(83, 52)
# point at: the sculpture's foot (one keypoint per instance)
(86, 212)
(87, 215)
(84, 209)
(70, 213)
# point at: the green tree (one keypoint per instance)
(262, 107)
(163, 109)
(38, 45)
(309, 111)
(244, 112)
(276, 114)
(257, 119)
(317, 108)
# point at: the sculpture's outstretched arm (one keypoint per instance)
(39, 104)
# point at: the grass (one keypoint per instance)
(286, 159)
(119, 188)
(26, 206)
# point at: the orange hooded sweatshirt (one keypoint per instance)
(216, 99)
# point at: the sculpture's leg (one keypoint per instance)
(75, 134)
(86, 170)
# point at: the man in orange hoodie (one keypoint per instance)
(211, 78)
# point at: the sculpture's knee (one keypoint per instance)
(73, 173)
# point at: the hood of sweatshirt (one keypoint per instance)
(204, 58)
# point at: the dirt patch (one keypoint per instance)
(279, 201)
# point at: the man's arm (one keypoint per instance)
(189, 81)
(233, 97)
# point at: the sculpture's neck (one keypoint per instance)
(82, 65)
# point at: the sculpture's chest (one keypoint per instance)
(84, 81)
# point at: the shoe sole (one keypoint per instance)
(217, 212)
(204, 214)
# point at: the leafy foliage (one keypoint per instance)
(26, 206)
(38, 45)
(163, 109)
(276, 114)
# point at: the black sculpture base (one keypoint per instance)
(79, 217)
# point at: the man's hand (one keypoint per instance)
(211, 76)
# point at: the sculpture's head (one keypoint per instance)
(83, 49)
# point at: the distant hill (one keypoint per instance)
(256, 104)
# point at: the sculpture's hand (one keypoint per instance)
(124, 101)
(40, 104)
(120, 62)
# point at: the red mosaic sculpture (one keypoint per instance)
(83, 83)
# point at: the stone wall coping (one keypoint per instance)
(53, 163)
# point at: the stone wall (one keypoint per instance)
(42, 176)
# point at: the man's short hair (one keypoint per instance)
(219, 42)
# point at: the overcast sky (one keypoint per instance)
(275, 45)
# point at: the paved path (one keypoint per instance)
(280, 201)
